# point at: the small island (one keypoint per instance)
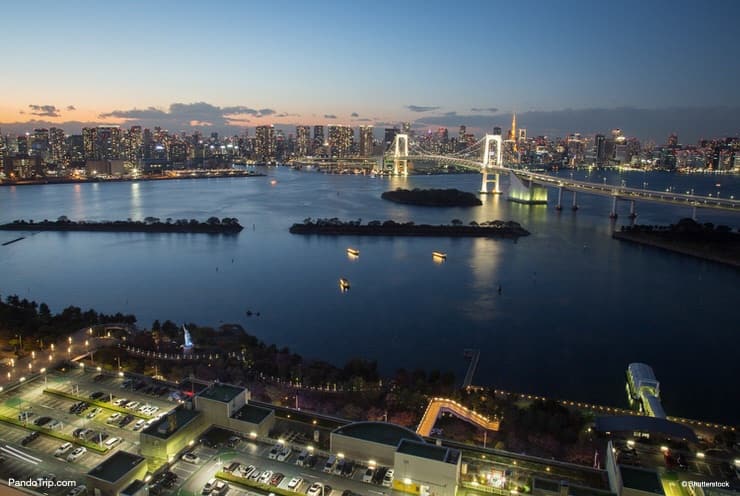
(336, 227)
(433, 197)
(214, 225)
(688, 237)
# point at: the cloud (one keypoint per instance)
(183, 115)
(44, 110)
(492, 110)
(364, 119)
(70, 108)
(420, 108)
(330, 116)
(286, 114)
(450, 114)
(354, 114)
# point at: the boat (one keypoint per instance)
(439, 254)
(353, 251)
(343, 284)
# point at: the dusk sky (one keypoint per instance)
(432, 63)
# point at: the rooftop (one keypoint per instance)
(641, 479)
(428, 451)
(251, 413)
(221, 392)
(378, 432)
(642, 423)
(116, 466)
(182, 418)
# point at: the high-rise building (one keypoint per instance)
(90, 146)
(22, 144)
(57, 146)
(390, 135)
(302, 141)
(40, 143)
(497, 131)
(366, 141)
(600, 146)
(134, 147)
(108, 143)
(340, 140)
(318, 137)
(265, 143)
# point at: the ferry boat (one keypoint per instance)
(343, 284)
(353, 251)
(440, 255)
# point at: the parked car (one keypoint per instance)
(208, 488)
(276, 479)
(329, 465)
(348, 469)
(30, 438)
(94, 412)
(315, 489)
(190, 457)
(339, 466)
(273, 454)
(126, 420)
(42, 421)
(232, 467)
(368, 476)
(139, 424)
(112, 442)
(96, 395)
(77, 491)
(221, 488)
(266, 476)
(114, 418)
(233, 441)
(54, 424)
(388, 479)
(294, 483)
(256, 474)
(245, 471)
(284, 454)
(63, 449)
(301, 460)
(76, 454)
(25, 416)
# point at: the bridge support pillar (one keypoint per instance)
(613, 214)
(693, 213)
(633, 215)
(559, 206)
(575, 202)
(496, 183)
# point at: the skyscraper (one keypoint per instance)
(318, 137)
(600, 145)
(265, 143)
(303, 141)
(340, 140)
(57, 145)
(366, 141)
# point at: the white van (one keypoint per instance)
(329, 465)
(112, 442)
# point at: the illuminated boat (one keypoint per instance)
(343, 284)
(440, 255)
(353, 251)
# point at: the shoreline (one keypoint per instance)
(123, 226)
(500, 230)
(677, 246)
(198, 175)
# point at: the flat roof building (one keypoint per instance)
(164, 439)
(115, 473)
(424, 468)
(365, 441)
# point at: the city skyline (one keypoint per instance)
(234, 66)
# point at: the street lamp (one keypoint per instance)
(52, 347)
(69, 339)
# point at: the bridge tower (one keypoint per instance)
(491, 159)
(400, 154)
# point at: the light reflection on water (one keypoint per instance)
(576, 306)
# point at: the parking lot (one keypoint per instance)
(192, 477)
(31, 404)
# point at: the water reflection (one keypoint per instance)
(135, 210)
